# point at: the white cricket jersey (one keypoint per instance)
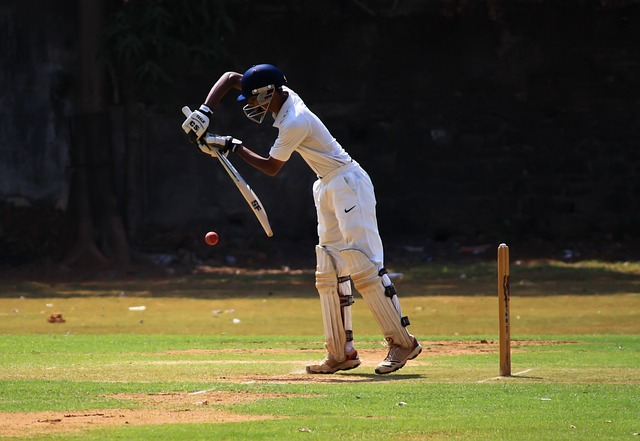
(300, 130)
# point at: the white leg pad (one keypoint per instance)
(327, 286)
(369, 284)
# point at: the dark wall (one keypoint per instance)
(478, 121)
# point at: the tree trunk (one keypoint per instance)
(85, 252)
(100, 235)
(135, 165)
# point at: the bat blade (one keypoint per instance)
(248, 194)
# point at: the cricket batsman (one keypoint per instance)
(349, 247)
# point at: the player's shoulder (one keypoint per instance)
(293, 96)
(293, 107)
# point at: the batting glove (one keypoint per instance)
(196, 124)
(224, 144)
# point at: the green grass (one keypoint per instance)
(576, 356)
(584, 390)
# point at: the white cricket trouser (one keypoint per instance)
(346, 206)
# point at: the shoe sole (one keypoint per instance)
(410, 357)
(332, 371)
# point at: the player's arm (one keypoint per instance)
(269, 166)
(226, 144)
(226, 82)
(197, 122)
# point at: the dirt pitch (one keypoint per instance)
(201, 406)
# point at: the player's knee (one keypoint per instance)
(326, 277)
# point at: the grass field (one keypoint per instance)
(220, 354)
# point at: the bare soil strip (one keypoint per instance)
(170, 408)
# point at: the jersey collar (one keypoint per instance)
(284, 110)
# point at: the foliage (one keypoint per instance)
(144, 41)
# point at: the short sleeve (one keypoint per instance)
(289, 138)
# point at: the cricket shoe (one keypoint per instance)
(398, 357)
(330, 365)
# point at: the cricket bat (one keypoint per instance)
(246, 191)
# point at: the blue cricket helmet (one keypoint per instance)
(258, 77)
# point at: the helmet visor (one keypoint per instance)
(256, 112)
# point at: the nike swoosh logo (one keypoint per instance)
(346, 210)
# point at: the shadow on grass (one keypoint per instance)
(533, 278)
(370, 378)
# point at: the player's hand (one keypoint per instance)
(224, 144)
(196, 124)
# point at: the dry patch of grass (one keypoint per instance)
(169, 408)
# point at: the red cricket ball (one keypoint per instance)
(211, 238)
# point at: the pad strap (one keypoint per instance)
(346, 300)
(390, 291)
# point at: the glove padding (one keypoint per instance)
(196, 124)
(223, 144)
